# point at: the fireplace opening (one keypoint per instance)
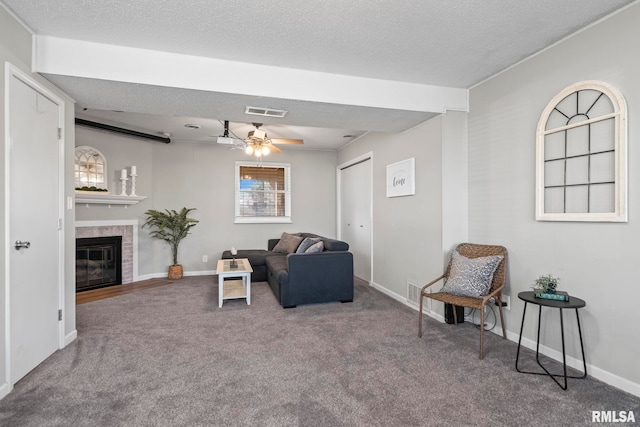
(98, 262)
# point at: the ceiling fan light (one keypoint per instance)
(265, 151)
(249, 149)
(258, 153)
(257, 134)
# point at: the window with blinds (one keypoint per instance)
(263, 193)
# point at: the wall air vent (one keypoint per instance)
(267, 112)
(413, 293)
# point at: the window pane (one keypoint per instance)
(262, 192)
(556, 120)
(577, 171)
(554, 173)
(554, 200)
(568, 106)
(256, 178)
(554, 146)
(603, 167)
(586, 100)
(602, 107)
(577, 199)
(602, 198)
(603, 136)
(578, 141)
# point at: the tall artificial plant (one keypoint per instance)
(170, 226)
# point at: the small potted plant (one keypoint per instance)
(172, 227)
(546, 284)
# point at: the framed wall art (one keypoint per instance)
(401, 178)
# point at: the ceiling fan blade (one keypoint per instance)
(274, 149)
(286, 141)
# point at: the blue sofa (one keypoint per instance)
(304, 278)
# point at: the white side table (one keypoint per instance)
(238, 283)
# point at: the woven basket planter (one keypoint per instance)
(175, 272)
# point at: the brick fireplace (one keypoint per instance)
(128, 229)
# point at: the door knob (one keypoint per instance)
(20, 244)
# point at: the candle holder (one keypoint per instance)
(124, 180)
(234, 263)
(133, 184)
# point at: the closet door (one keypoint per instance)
(355, 214)
(35, 227)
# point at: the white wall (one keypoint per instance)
(202, 176)
(407, 231)
(597, 262)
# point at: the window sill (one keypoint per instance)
(263, 220)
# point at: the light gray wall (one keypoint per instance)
(407, 231)
(15, 47)
(202, 176)
(597, 262)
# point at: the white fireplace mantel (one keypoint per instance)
(94, 198)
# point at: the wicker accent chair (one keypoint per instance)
(472, 250)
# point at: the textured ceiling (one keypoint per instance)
(429, 42)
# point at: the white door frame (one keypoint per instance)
(11, 72)
(364, 157)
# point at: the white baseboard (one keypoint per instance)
(70, 337)
(201, 273)
(594, 371)
(5, 389)
(403, 300)
(165, 274)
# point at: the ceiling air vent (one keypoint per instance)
(268, 112)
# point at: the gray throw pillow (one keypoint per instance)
(315, 248)
(288, 243)
(471, 277)
(306, 244)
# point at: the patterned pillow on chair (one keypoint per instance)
(471, 277)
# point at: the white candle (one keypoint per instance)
(234, 251)
(133, 170)
(123, 174)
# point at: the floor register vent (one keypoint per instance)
(413, 293)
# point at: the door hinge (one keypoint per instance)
(59, 223)
(59, 315)
(59, 133)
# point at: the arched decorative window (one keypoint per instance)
(581, 155)
(90, 169)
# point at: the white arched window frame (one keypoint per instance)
(90, 168)
(581, 155)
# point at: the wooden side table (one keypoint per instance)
(575, 303)
(231, 289)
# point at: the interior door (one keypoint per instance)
(35, 227)
(355, 215)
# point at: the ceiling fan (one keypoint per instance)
(258, 143)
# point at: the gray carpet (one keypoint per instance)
(169, 356)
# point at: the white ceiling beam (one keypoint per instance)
(76, 58)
